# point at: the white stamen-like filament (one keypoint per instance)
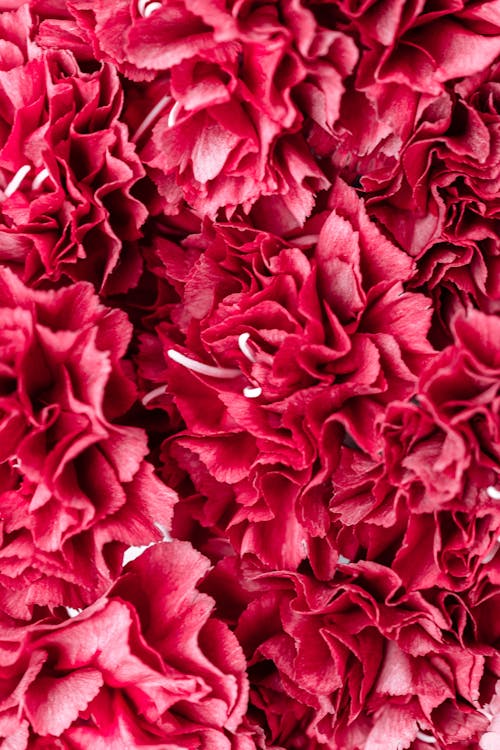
(17, 180)
(132, 553)
(252, 391)
(245, 349)
(72, 612)
(203, 369)
(151, 117)
(40, 178)
(153, 394)
(493, 493)
(172, 115)
(16, 463)
(486, 713)
(151, 8)
(343, 560)
(424, 737)
(489, 557)
(147, 7)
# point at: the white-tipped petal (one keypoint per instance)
(203, 369)
(493, 493)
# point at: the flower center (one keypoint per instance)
(210, 371)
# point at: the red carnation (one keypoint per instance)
(357, 662)
(74, 486)
(66, 171)
(440, 199)
(421, 45)
(242, 81)
(146, 665)
(428, 505)
(307, 340)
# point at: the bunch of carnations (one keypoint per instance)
(250, 374)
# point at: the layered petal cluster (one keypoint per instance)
(146, 665)
(249, 374)
(439, 201)
(75, 489)
(357, 663)
(242, 79)
(66, 168)
(411, 53)
(429, 504)
(290, 347)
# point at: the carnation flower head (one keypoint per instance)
(74, 487)
(232, 88)
(280, 347)
(439, 199)
(409, 55)
(428, 504)
(358, 661)
(147, 664)
(66, 170)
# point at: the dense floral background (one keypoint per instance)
(250, 374)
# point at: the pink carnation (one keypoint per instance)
(66, 168)
(242, 84)
(74, 487)
(356, 662)
(305, 340)
(148, 664)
